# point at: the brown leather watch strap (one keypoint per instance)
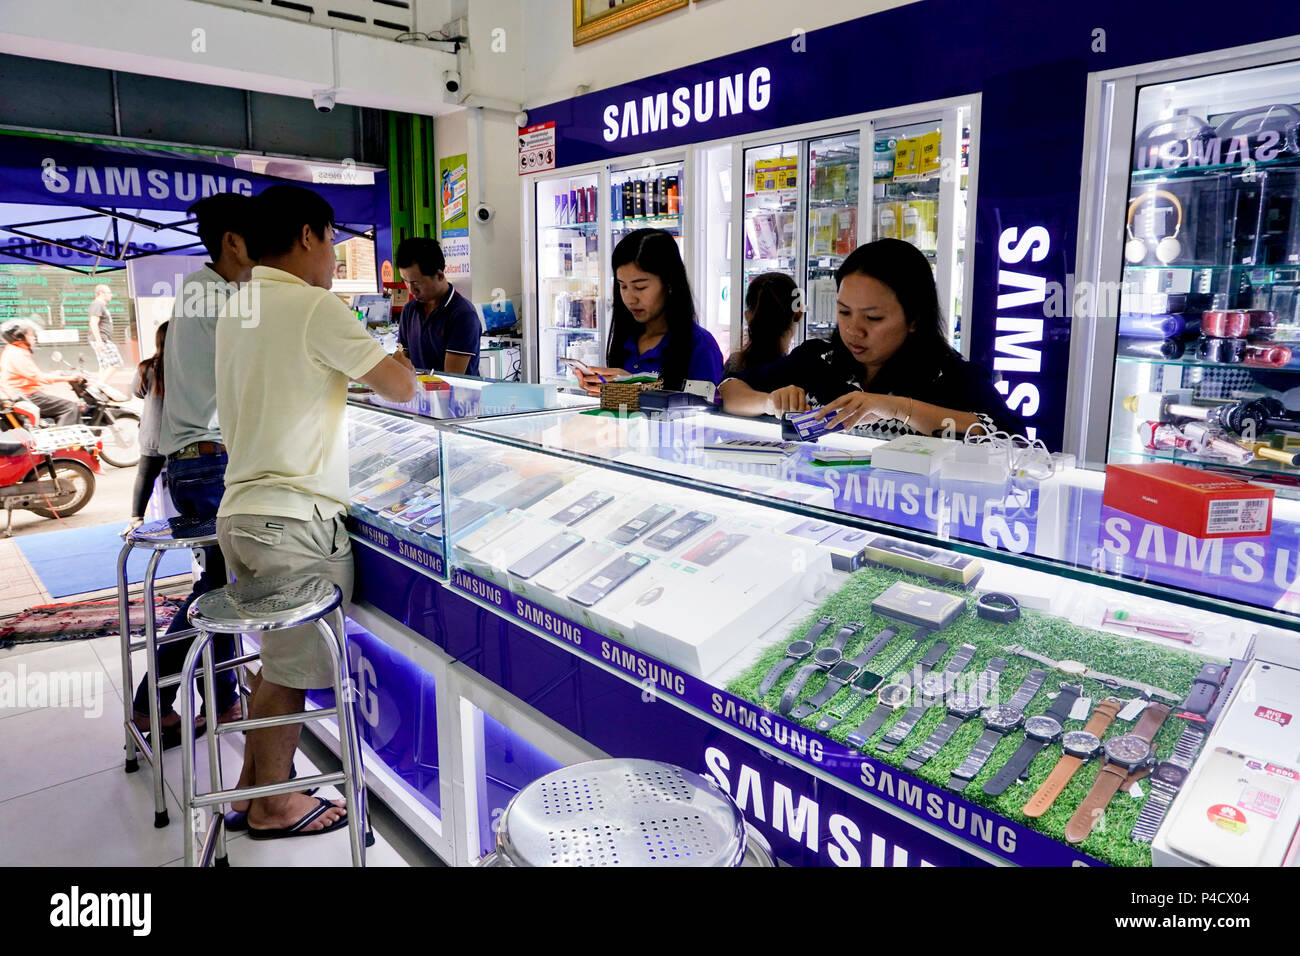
(1102, 717)
(1107, 784)
(1153, 718)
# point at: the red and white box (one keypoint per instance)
(1195, 502)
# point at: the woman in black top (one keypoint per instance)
(773, 309)
(888, 358)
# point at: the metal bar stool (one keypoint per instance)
(261, 606)
(171, 534)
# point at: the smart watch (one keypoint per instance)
(1039, 732)
(962, 706)
(824, 658)
(995, 606)
(795, 651)
(890, 697)
(1128, 758)
(1204, 686)
(844, 673)
(999, 720)
(868, 680)
(1079, 747)
(931, 690)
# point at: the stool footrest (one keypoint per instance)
(161, 639)
(268, 789)
(171, 680)
(141, 744)
(259, 723)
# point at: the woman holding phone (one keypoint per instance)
(654, 328)
(887, 361)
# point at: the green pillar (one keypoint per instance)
(413, 176)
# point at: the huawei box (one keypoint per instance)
(1195, 502)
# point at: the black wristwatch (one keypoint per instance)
(932, 689)
(866, 683)
(844, 673)
(962, 706)
(890, 697)
(1204, 687)
(824, 658)
(1165, 781)
(999, 721)
(1039, 732)
(795, 651)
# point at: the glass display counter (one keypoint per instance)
(981, 673)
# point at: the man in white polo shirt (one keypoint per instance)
(283, 368)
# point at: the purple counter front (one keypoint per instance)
(815, 802)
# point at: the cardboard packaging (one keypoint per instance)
(1197, 503)
(913, 454)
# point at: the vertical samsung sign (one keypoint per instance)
(1021, 317)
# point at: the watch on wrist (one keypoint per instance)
(999, 720)
(844, 673)
(1040, 731)
(795, 652)
(962, 706)
(1128, 757)
(894, 695)
(932, 689)
(1078, 746)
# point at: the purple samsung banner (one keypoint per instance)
(390, 542)
(964, 820)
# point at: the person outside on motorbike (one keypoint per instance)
(21, 378)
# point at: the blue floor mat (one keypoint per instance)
(80, 560)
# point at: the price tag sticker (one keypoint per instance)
(1082, 707)
(1132, 709)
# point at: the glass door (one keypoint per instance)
(773, 200)
(568, 274)
(713, 244)
(833, 168)
(645, 197)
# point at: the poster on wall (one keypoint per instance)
(537, 148)
(453, 177)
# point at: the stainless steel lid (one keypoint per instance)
(622, 813)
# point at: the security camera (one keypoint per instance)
(323, 100)
(484, 213)
(521, 119)
(451, 81)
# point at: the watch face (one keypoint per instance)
(1169, 773)
(1003, 718)
(895, 695)
(1080, 743)
(1042, 727)
(866, 682)
(1128, 750)
(965, 705)
(799, 648)
(828, 657)
(844, 671)
(931, 686)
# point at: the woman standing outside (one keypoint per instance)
(654, 327)
(148, 384)
(888, 359)
(773, 309)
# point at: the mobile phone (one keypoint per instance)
(689, 524)
(424, 512)
(583, 507)
(580, 366)
(544, 556)
(604, 581)
(528, 492)
(713, 547)
(402, 504)
(631, 530)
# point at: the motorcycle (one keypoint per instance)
(48, 471)
(103, 412)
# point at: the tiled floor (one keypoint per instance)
(65, 799)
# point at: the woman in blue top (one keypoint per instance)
(654, 327)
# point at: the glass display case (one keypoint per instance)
(879, 626)
(833, 170)
(773, 210)
(569, 268)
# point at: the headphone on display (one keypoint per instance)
(1167, 249)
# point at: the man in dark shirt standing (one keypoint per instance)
(439, 327)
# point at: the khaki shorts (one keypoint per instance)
(258, 546)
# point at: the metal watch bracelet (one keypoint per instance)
(1109, 680)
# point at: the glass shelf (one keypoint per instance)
(1257, 467)
(647, 222)
(1214, 169)
(584, 227)
(1193, 362)
(1279, 267)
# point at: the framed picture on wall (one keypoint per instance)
(593, 19)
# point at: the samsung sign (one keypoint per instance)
(686, 105)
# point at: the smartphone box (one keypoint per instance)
(490, 562)
(847, 548)
(719, 611)
(599, 526)
(615, 616)
(484, 491)
(810, 529)
(550, 586)
(913, 454)
(484, 537)
(1195, 502)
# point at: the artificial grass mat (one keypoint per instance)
(1166, 668)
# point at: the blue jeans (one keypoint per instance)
(196, 486)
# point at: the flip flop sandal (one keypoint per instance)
(307, 819)
(237, 820)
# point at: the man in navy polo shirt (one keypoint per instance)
(439, 327)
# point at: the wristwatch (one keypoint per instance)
(1166, 780)
(1204, 687)
(932, 689)
(999, 721)
(824, 658)
(795, 651)
(1128, 758)
(1080, 746)
(844, 673)
(1039, 732)
(867, 681)
(962, 706)
(996, 606)
(1080, 669)
(892, 696)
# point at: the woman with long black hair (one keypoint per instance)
(772, 313)
(888, 360)
(654, 327)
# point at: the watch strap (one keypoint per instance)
(1152, 719)
(880, 713)
(841, 639)
(1064, 703)
(1109, 779)
(774, 675)
(965, 654)
(833, 687)
(902, 727)
(934, 743)
(1046, 795)
(975, 760)
(1159, 800)
(795, 687)
(1188, 746)
(1103, 715)
(1028, 688)
(1015, 768)
(838, 715)
(933, 656)
(1204, 687)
